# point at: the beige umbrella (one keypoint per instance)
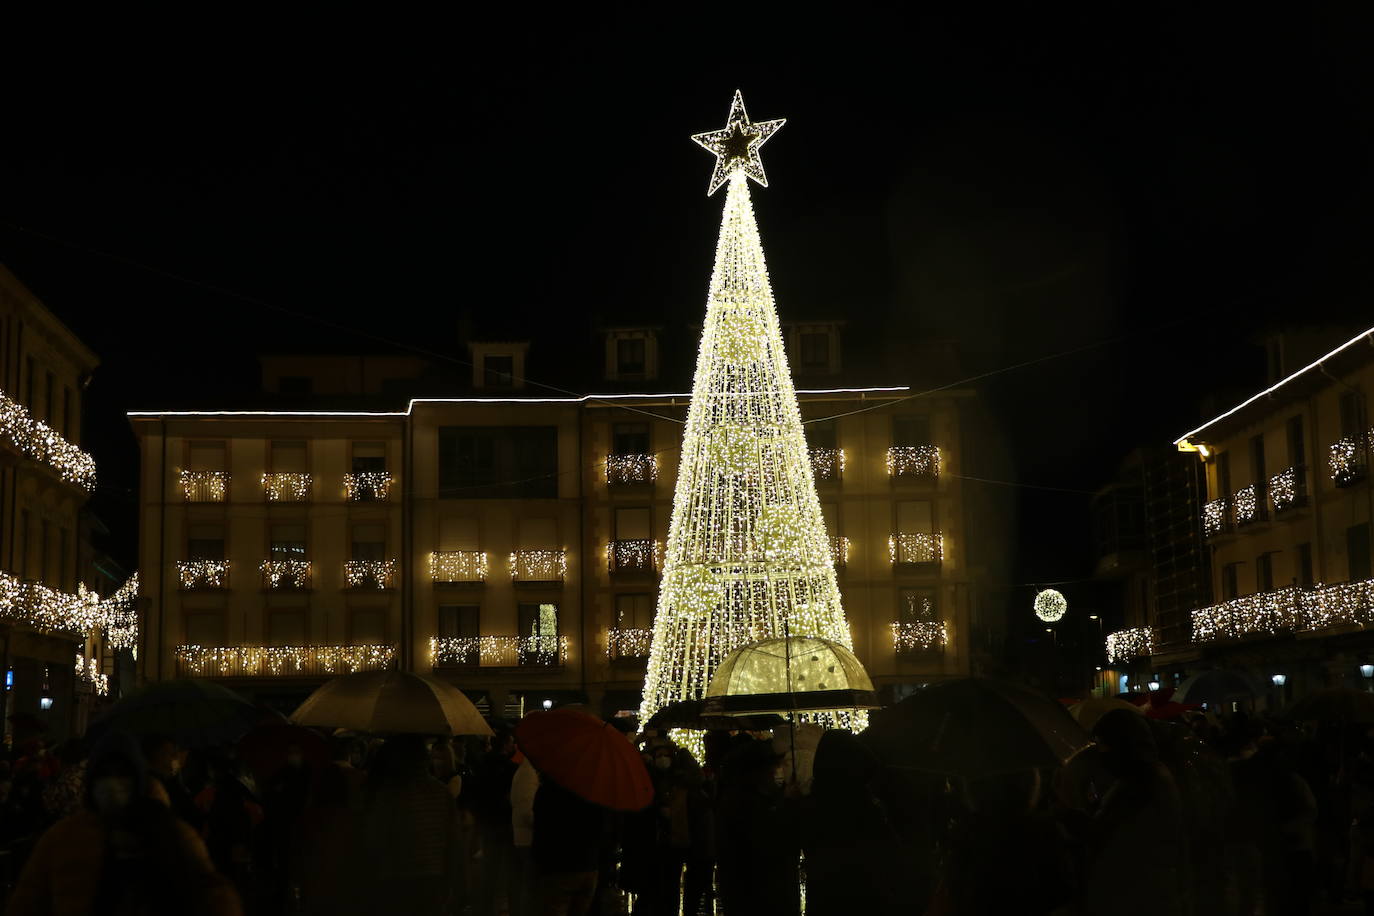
(1087, 712)
(391, 702)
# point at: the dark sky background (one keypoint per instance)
(1173, 183)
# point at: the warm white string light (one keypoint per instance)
(39, 441)
(631, 469)
(1247, 505)
(1283, 489)
(538, 565)
(88, 672)
(1289, 609)
(827, 463)
(278, 661)
(1050, 605)
(204, 486)
(1345, 458)
(919, 548)
(628, 642)
(498, 651)
(286, 487)
(913, 461)
(458, 566)
(367, 486)
(839, 551)
(1124, 645)
(120, 615)
(203, 573)
(1214, 517)
(369, 573)
(919, 635)
(34, 605)
(285, 574)
(634, 555)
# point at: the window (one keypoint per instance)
(1264, 573)
(289, 458)
(369, 457)
(205, 456)
(915, 516)
(815, 350)
(910, 430)
(539, 621)
(295, 384)
(458, 533)
(66, 413)
(459, 621)
(63, 557)
(632, 524)
(498, 462)
(634, 612)
(916, 605)
(1357, 551)
(1305, 564)
(1352, 414)
(537, 534)
(821, 434)
(369, 628)
(1223, 475)
(205, 629)
(498, 371)
(369, 543)
(44, 574)
(205, 542)
(1230, 581)
(28, 384)
(629, 356)
(1257, 462)
(1296, 449)
(286, 628)
(50, 400)
(24, 542)
(630, 439)
(286, 542)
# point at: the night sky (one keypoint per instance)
(1165, 189)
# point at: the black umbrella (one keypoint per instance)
(196, 713)
(975, 727)
(1335, 704)
(689, 714)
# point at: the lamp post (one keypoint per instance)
(1367, 671)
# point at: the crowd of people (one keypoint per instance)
(1237, 815)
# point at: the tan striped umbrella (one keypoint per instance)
(392, 703)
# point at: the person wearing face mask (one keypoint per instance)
(125, 852)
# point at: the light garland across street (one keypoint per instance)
(39, 441)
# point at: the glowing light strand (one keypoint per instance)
(40, 442)
(1214, 516)
(827, 463)
(627, 470)
(1125, 645)
(628, 642)
(285, 574)
(367, 486)
(87, 671)
(839, 551)
(919, 635)
(918, 461)
(204, 486)
(365, 574)
(635, 555)
(1284, 492)
(458, 566)
(1345, 459)
(916, 549)
(281, 661)
(498, 651)
(286, 487)
(1247, 505)
(197, 574)
(538, 565)
(1289, 609)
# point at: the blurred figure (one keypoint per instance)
(567, 834)
(523, 788)
(63, 796)
(125, 853)
(758, 841)
(230, 815)
(490, 805)
(165, 762)
(323, 861)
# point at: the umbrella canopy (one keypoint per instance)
(196, 713)
(1216, 686)
(586, 756)
(975, 727)
(789, 673)
(1335, 704)
(689, 714)
(391, 702)
(265, 749)
(1087, 712)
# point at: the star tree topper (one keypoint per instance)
(737, 145)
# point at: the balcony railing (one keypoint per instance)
(827, 463)
(913, 462)
(629, 470)
(1125, 645)
(1288, 489)
(839, 551)
(285, 575)
(636, 556)
(284, 487)
(626, 643)
(1347, 459)
(1216, 517)
(1290, 609)
(280, 661)
(369, 574)
(203, 574)
(538, 565)
(458, 567)
(367, 486)
(498, 651)
(1250, 505)
(914, 637)
(923, 549)
(205, 486)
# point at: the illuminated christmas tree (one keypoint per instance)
(748, 557)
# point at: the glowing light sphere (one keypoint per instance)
(1050, 605)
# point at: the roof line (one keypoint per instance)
(1277, 385)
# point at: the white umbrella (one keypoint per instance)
(392, 702)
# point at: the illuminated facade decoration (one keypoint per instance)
(498, 651)
(455, 566)
(1214, 516)
(1346, 459)
(88, 673)
(281, 661)
(635, 555)
(538, 565)
(1285, 489)
(285, 575)
(628, 642)
(205, 486)
(198, 574)
(1126, 645)
(827, 463)
(1247, 502)
(1262, 613)
(39, 441)
(748, 557)
(629, 470)
(1050, 605)
(46, 609)
(919, 635)
(839, 551)
(120, 615)
(283, 487)
(365, 574)
(368, 486)
(916, 549)
(913, 461)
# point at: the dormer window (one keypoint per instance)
(499, 366)
(498, 371)
(815, 350)
(814, 347)
(631, 354)
(629, 357)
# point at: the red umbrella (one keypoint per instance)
(586, 756)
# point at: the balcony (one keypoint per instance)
(369, 575)
(39, 441)
(498, 651)
(913, 462)
(1347, 459)
(1260, 614)
(1216, 517)
(198, 575)
(280, 661)
(1250, 505)
(458, 567)
(827, 463)
(634, 557)
(924, 549)
(285, 575)
(839, 551)
(205, 486)
(631, 470)
(1288, 489)
(368, 487)
(919, 637)
(1125, 645)
(628, 643)
(538, 566)
(280, 487)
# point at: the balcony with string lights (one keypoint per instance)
(634, 557)
(917, 463)
(628, 644)
(367, 487)
(547, 652)
(631, 470)
(285, 575)
(280, 661)
(204, 486)
(538, 567)
(203, 575)
(924, 549)
(458, 567)
(827, 464)
(369, 575)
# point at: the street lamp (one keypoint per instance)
(1367, 670)
(1279, 679)
(548, 704)
(45, 699)
(1153, 685)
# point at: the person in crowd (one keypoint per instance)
(407, 836)
(165, 762)
(757, 838)
(323, 860)
(523, 788)
(567, 835)
(230, 816)
(62, 796)
(125, 852)
(285, 796)
(490, 805)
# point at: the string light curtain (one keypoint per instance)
(748, 557)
